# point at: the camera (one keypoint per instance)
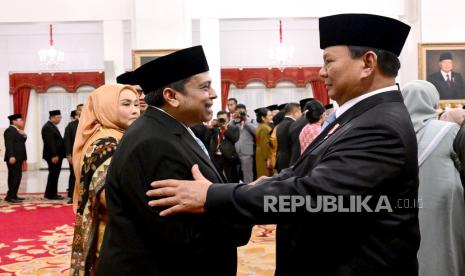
(221, 121)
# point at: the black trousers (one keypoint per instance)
(52, 180)
(71, 181)
(15, 174)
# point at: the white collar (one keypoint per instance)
(347, 105)
(188, 128)
(444, 74)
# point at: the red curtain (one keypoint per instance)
(20, 105)
(21, 101)
(224, 94)
(319, 91)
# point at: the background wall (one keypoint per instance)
(100, 34)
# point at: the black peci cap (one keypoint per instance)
(15, 116)
(54, 112)
(366, 30)
(171, 68)
(126, 78)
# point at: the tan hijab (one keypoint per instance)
(99, 118)
(454, 115)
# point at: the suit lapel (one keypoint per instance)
(346, 117)
(186, 138)
(189, 142)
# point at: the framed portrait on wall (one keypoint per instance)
(443, 64)
(141, 57)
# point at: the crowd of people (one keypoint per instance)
(167, 193)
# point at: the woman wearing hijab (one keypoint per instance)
(263, 150)
(441, 199)
(109, 110)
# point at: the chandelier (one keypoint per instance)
(281, 54)
(51, 57)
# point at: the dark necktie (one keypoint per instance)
(448, 80)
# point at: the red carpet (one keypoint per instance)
(35, 237)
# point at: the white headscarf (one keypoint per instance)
(421, 99)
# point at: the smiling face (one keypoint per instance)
(341, 73)
(446, 65)
(194, 105)
(128, 108)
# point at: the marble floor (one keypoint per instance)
(34, 181)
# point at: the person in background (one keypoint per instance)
(449, 83)
(292, 113)
(54, 151)
(15, 155)
(222, 138)
(295, 129)
(442, 212)
(128, 78)
(453, 115)
(232, 105)
(315, 116)
(274, 108)
(108, 111)
(69, 138)
(263, 150)
(278, 118)
(245, 146)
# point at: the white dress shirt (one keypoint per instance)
(347, 105)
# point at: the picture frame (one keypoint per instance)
(429, 69)
(141, 57)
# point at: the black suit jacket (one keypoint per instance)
(54, 144)
(137, 240)
(362, 155)
(455, 91)
(294, 132)
(15, 144)
(70, 136)
(283, 156)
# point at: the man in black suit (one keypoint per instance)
(161, 145)
(15, 155)
(292, 113)
(448, 83)
(69, 137)
(358, 157)
(53, 153)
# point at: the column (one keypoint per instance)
(210, 40)
(113, 49)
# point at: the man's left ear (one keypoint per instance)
(370, 61)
